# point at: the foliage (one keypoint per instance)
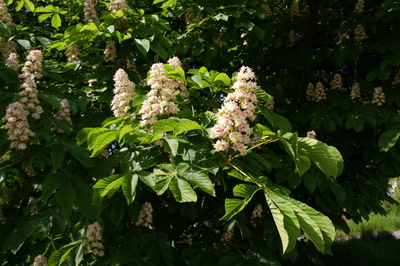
(95, 167)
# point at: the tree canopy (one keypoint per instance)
(174, 132)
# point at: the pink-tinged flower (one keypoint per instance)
(161, 99)
(124, 93)
(232, 127)
(90, 12)
(5, 16)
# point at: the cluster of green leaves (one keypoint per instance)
(103, 168)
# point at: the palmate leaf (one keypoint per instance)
(107, 186)
(186, 125)
(234, 206)
(199, 179)
(129, 184)
(290, 215)
(182, 190)
(327, 158)
(103, 140)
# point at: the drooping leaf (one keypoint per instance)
(129, 184)
(285, 220)
(234, 206)
(290, 214)
(65, 196)
(51, 183)
(326, 158)
(57, 156)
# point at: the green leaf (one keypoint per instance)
(51, 183)
(290, 214)
(82, 135)
(234, 206)
(182, 191)
(107, 186)
(46, 9)
(186, 125)
(51, 99)
(276, 120)
(66, 197)
(24, 43)
(56, 21)
(102, 141)
(164, 125)
(44, 41)
(327, 158)
(388, 139)
(222, 79)
(285, 220)
(55, 258)
(57, 156)
(199, 179)
(19, 5)
(197, 79)
(80, 154)
(43, 17)
(310, 181)
(159, 50)
(143, 45)
(29, 5)
(129, 184)
(171, 146)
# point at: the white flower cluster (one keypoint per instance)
(359, 33)
(161, 98)
(336, 82)
(145, 215)
(30, 171)
(310, 92)
(232, 127)
(110, 52)
(116, 5)
(379, 96)
(227, 237)
(90, 13)
(93, 235)
(17, 113)
(40, 260)
(359, 8)
(63, 114)
(320, 93)
(9, 52)
(355, 91)
(294, 10)
(257, 212)
(312, 134)
(124, 92)
(5, 16)
(73, 53)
